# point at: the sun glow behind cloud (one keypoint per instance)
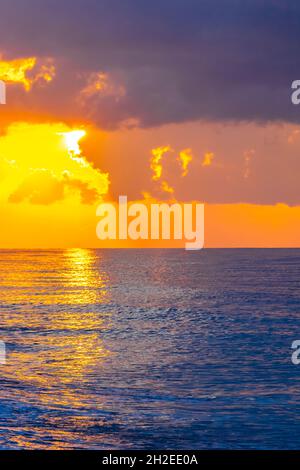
(72, 139)
(37, 168)
(155, 162)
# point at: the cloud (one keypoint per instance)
(208, 158)
(88, 195)
(185, 157)
(156, 161)
(27, 71)
(273, 169)
(43, 187)
(220, 69)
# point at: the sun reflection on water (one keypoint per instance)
(54, 309)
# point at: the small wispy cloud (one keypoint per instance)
(208, 158)
(185, 157)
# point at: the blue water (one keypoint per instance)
(149, 349)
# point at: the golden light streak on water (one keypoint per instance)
(56, 347)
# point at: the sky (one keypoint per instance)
(181, 100)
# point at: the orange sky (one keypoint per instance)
(55, 172)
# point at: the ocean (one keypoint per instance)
(149, 349)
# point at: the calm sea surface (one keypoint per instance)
(149, 349)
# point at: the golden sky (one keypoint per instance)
(57, 166)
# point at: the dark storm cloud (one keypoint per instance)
(178, 60)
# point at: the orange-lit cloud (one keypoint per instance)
(155, 162)
(185, 157)
(157, 168)
(26, 71)
(208, 158)
(166, 188)
(43, 187)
